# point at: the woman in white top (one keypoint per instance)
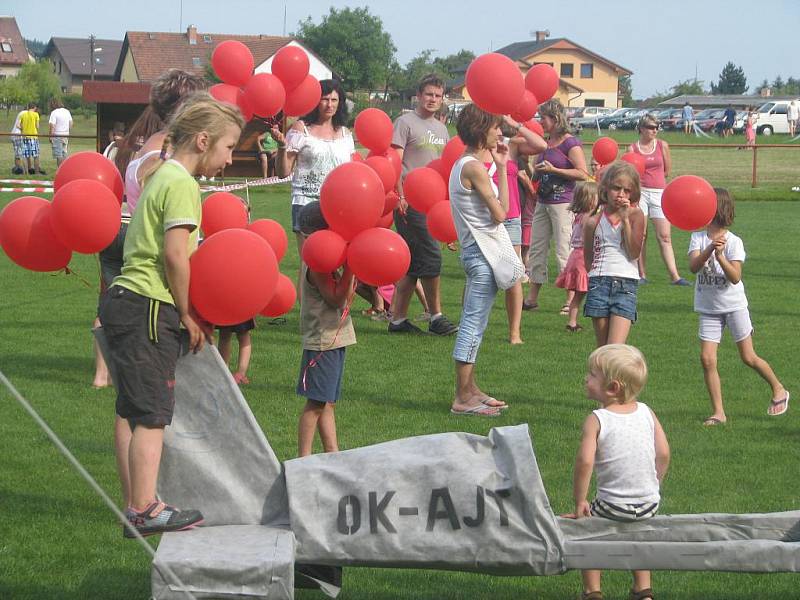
(479, 207)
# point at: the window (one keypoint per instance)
(207, 38)
(196, 61)
(587, 71)
(6, 47)
(99, 60)
(543, 63)
(566, 69)
(591, 102)
(780, 109)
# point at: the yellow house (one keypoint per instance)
(587, 79)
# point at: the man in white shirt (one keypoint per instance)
(60, 124)
(16, 142)
(793, 115)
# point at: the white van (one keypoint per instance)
(772, 117)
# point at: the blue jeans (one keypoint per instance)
(611, 296)
(479, 296)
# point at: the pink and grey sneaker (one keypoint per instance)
(160, 518)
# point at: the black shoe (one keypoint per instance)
(17, 171)
(42, 172)
(442, 326)
(404, 326)
(160, 518)
(31, 172)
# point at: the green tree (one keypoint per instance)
(731, 81)
(352, 41)
(36, 47)
(13, 93)
(455, 63)
(689, 87)
(39, 81)
(626, 90)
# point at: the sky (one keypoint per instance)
(661, 42)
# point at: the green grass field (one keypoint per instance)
(57, 539)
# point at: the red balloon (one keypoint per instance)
(527, 108)
(378, 256)
(273, 233)
(85, 216)
(351, 198)
(324, 251)
(223, 210)
(291, 65)
(230, 94)
(233, 277)
(689, 202)
(90, 165)
(637, 160)
(542, 81)
(27, 237)
(423, 188)
(385, 171)
(233, 62)
(374, 129)
(440, 223)
(605, 150)
(495, 83)
(356, 157)
(394, 158)
(534, 126)
(386, 221)
(303, 98)
(265, 94)
(437, 165)
(390, 202)
(283, 300)
(451, 153)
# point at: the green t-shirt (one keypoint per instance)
(268, 144)
(171, 198)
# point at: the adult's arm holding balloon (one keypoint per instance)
(177, 270)
(525, 141)
(335, 291)
(589, 226)
(284, 162)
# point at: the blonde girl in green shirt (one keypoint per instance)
(143, 310)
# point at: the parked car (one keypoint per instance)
(709, 122)
(702, 115)
(668, 118)
(589, 116)
(610, 120)
(772, 117)
(631, 120)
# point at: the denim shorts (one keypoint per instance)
(321, 374)
(611, 296)
(514, 229)
(479, 294)
(296, 208)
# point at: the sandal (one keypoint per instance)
(644, 594)
(597, 595)
(712, 422)
(574, 328)
(564, 310)
(776, 403)
(530, 305)
(371, 312)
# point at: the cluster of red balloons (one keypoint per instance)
(83, 217)
(289, 87)
(234, 272)
(495, 84)
(357, 199)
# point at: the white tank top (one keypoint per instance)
(133, 188)
(467, 206)
(609, 258)
(625, 461)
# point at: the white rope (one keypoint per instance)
(91, 481)
(247, 184)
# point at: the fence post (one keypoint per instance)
(755, 171)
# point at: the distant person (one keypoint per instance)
(267, 151)
(750, 127)
(728, 120)
(115, 137)
(687, 113)
(29, 126)
(60, 123)
(793, 115)
(16, 144)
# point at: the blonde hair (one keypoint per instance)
(555, 110)
(584, 196)
(621, 363)
(648, 119)
(616, 169)
(199, 113)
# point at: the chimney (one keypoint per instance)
(542, 35)
(191, 33)
(766, 92)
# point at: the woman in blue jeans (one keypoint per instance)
(479, 208)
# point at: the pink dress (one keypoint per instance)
(574, 276)
(749, 131)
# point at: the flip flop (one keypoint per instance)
(712, 422)
(476, 411)
(784, 401)
(530, 306)
(500, 406)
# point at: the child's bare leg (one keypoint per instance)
(641, 581)
(708, 358)
(144, 460)
(245, 350)
(664, 237)
(224, 345)
(420, 291)
(575, 307)
(600, 330)
(591, 580)
(618, 329)
(514, 312)
(643, 254)
(327, 428)
(101, 377)
(760, 366)
(122, 443)
(307, 427)
(300, 239)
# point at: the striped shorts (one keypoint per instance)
(30, 147)
(623, 512)
(16, 142)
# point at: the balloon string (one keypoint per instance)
(345, 313)
(68, 271)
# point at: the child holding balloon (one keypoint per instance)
(716, 255)
(327, 330)
(612, 242)
(574, 276)
(146, 304)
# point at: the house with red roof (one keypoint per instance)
(13, 51)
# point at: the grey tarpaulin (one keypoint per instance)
(445, 501)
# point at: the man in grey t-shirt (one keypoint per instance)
(419, 138)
